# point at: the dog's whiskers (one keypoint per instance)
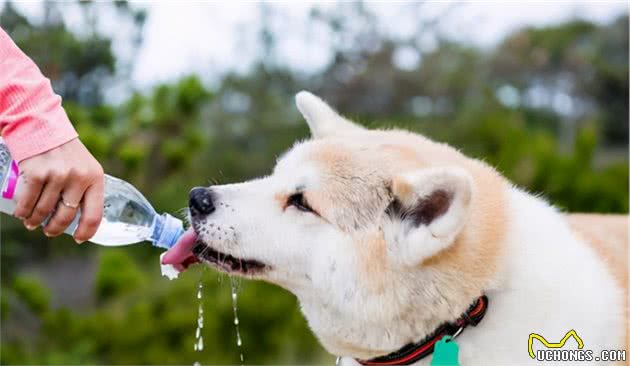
(203, 252)
(213, 181)
(184, 214)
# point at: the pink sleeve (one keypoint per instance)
(32, 119)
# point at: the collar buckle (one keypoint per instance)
(458, 332)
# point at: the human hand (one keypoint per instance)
(60, 181)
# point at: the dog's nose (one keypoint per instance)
(200, 201)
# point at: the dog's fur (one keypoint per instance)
(407, 232)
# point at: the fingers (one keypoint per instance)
(63, 216)
(45, 204)
(92, 212)
(30, 190)
(67, 172)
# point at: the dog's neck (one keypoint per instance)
(414, 352)
(399, 315)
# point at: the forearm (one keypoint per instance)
(32, 119)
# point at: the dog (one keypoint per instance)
(391, 241)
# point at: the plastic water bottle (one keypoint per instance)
(127, 216)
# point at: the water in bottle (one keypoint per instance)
(127, 216)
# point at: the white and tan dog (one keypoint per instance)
(385, 235)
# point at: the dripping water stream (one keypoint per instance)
(198, 346)
(239, 341)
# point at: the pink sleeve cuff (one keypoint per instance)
(32, 120)
(37, 136)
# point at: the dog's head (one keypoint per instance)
(381, 234)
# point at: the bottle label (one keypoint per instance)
(11, 183)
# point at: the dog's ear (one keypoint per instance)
(322, 120)
(429, 209)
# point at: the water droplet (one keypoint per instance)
(198, 332)
(200, 344)
(238, 341)
(196, 364)
(235, 321)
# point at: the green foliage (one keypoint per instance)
(183, 134)
(31, 291)
(4, 307)
(533, 159)
(76, 61)
(117, 274)
(155, 324)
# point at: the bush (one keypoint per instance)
(117, 275)
(32, 292)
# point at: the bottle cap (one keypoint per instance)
(171, 230)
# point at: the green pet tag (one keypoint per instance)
(445, 352)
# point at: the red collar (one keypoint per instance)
(414, 352)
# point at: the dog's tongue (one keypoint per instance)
(180, 255)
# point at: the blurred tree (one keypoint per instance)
(80, 67)
(577, 69)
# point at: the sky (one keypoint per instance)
(181, 38)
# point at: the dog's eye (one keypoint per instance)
(299, 201)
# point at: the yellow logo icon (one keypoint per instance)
(542, 339)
